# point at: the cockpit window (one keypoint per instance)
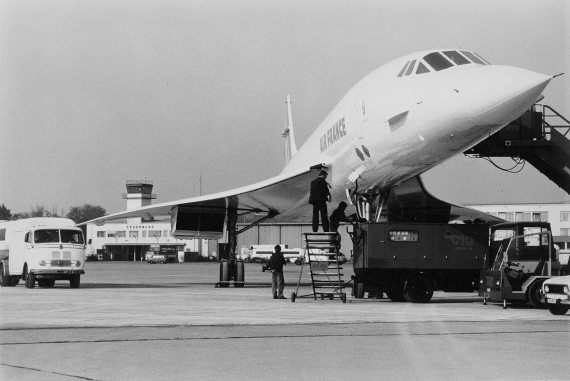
(437, 61)
(422, 69)
(403, 69)
(456, 58)
(482, 59)
(411, 67)
(473, 57)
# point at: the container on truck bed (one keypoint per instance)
(409, 261)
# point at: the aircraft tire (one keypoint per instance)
(224, 274)
(534, 294)
(343, 297)
(240, 275)
(293, 296)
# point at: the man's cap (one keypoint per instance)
(277, 248)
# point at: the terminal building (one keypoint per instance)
(131, 239)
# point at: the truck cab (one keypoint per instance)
(41, 250)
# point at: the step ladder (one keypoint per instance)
(321, 258)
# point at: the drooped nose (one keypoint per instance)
(504, 93)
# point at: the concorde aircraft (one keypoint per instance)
(404, 118)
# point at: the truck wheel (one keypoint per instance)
(75, 281)
(534, 294)
(31, 280)
(358, 290)
(4, 279)
(14, 280)
(419, 290)
(396, 293)
(558, 309)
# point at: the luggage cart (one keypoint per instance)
(321, 258)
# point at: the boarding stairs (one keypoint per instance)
(322, 261)
(541, 137)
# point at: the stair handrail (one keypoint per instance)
(555, 114)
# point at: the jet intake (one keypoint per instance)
(198, 222)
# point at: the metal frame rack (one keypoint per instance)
(321, 256)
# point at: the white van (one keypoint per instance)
(43, 249)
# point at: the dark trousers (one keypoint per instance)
(277, 284)
(320, 208)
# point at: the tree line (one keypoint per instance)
(78, 214)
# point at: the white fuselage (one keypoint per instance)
(390, 128)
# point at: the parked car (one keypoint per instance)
(556, 293)
(91, 257)
(157, 258)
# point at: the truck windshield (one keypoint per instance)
(53, 235)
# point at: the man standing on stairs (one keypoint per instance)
(319, 197)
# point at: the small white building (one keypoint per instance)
(558, 214)
(131, 239)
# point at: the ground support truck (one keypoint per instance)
(409, 261)
(525, 258)
(41, 250)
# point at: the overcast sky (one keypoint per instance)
(94, 93)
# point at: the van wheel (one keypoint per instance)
(75, 281)
(4, 280)
(31, 280)
(419, 290)
(535, 294)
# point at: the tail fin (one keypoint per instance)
(288, 134)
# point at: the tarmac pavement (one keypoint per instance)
(136, 321)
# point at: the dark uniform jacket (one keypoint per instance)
(336, 218)
(319, 191)
(276, 262)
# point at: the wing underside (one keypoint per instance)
(285, 196)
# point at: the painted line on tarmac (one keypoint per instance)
(313, 336)
(50, 372)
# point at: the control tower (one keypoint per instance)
(139, 194)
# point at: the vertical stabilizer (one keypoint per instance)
(288, 135)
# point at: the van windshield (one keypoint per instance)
(53, 235)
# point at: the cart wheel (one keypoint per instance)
(293, 295)
(343, 297)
